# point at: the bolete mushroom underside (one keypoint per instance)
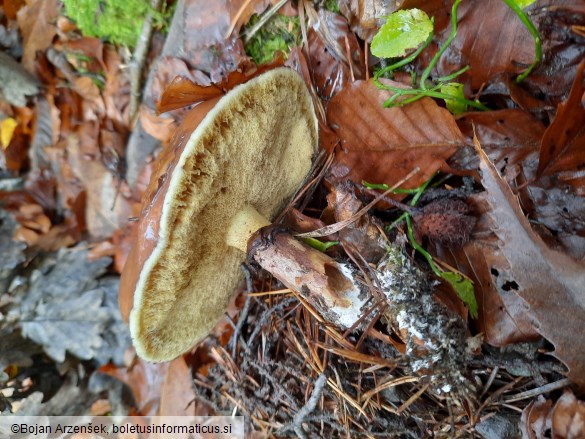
(253, 148)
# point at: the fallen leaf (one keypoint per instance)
(550, 282)
(563, 48)
(64, 308)
(568, 417)
(504, 317)
(364, 238)
(382, 145)
(491, 39)
(535, 421)
(177, 395)
(335, 56)
(158, 127)
(102, 215)
(364, 15)
(204, 34)
(36, 21)
(11, 7)
(511, 138)
(192, 90)
(565, 420)
(144, 380)
(562, 150)
(508, 137)
(7, 127)
(16, 82)
(402, 32)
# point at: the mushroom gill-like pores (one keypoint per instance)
(246, 151)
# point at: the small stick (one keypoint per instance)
(538, 391)
(246, 308)
(308, 408)
(336, 227)
(249, 33)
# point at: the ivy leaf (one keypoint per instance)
(403, 30)
(464, 289)
(455, 89)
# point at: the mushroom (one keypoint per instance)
(233, 164)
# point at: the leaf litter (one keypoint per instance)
(515, 211)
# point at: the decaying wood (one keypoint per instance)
(331, 287)
(434, 336)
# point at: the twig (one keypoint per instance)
(249, 33)
(336, 227)
(538, 391)
(245, 309)
(139, 58)
(309, 406)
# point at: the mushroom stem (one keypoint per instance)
(243, 225)
(330, 287)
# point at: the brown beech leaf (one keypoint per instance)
(102, 214)
(183, 91)
(563, 47)
(382, 145)
(552, 283)
(36, 22)
(364, 236)
(510, 138)
(490, 38)
(335, 56)
(177, 394)
(503, 129)
(535, 419)
(564, 420)
(568, 417)
(144, 379)
(563, 145)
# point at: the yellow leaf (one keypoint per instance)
(7, 127)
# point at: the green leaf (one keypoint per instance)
(403, 31)
(456, 105)
(524, 3)
(464, 289)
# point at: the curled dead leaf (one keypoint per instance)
(551, 283)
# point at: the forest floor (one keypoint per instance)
(487, 222)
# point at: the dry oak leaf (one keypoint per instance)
(382, 145)
(551, 283)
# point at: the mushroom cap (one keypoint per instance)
(253, 146)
